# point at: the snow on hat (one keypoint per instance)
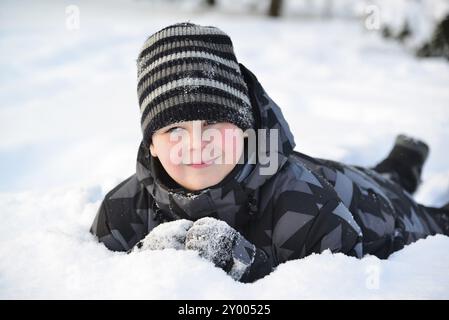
(189, 72)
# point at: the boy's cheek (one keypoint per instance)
(232, 148)
(173, 155)
(175, 171)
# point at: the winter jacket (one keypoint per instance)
(306, 205)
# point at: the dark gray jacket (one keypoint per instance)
(308, 205)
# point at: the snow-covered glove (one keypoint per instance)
(216, 241)
(166, 235)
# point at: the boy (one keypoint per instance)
(222, 198)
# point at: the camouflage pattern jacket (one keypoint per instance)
(305, 206)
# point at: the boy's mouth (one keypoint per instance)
(202, 164)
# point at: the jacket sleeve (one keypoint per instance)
(259, 268)
(101, 229)
(309, 217)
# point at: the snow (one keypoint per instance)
(47, 253)
(69, 122)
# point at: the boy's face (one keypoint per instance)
(198, 154)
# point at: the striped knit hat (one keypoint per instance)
(189, 72)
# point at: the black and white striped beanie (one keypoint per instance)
(189, 72)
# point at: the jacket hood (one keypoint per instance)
(229, 199)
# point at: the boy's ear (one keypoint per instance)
(152, 151)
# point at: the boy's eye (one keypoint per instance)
(206, 123)
(172, 129)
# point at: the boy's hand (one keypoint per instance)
(166, 235)
(216, 241)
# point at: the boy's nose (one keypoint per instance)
(198, 142)
(197, 139)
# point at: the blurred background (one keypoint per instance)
(348, 75)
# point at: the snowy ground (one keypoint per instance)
(69, 127)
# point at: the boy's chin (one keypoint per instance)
(200, 183)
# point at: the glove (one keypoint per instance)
(221, 244)
(166, 235)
